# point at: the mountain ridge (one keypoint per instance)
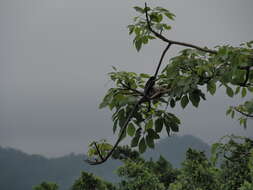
(29, 170)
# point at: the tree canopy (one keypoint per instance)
(230, 167)
(139, 102)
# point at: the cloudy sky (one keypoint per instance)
(55, 56)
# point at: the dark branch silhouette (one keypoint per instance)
(128, 87)
(102, 160)
(100, 155)
(243, 113)
(247, 77)
(161, 59)
(146, 97)
(163, 38)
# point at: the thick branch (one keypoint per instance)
(160, 36)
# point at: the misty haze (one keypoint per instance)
(55, 56)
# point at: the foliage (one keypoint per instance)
(88, 181)
(182, 81)
(236, 166)
(196, 173)
(229, 168)
(29, 170)
(140, 27)
(46, 186)
(140, 174)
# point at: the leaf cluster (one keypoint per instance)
(140, 27)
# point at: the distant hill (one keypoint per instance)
(20, 171)
(173, 148)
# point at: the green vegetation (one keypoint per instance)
(233, 155)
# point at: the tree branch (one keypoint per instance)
(102, 160)
(127, 87)
(243, 113)
(98, 151)
(160, 36)
(161, 59)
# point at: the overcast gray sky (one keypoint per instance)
(55, 56)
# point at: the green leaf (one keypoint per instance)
(172, 103)
(170, 15)
(139, 9)
(249, 106)
(149, 124)
(168, 130)
(211, 87)
(194, 98)
(136, 139)
(228, 111)
(142, 145)
(159, 125)
(131, 29)
(144, 39)
(237, 90)
(144, 75)
(122, 118)
(243, 121)
(138, 44)
(154, 17)
(174, 127)
(233, 114)
(153, 134)
(114, 68)
(105, 101)
(137, 31)
(150, 141)
(130, 130)
(230, 91)
(250, 89)
(244, 92)
(184, 101)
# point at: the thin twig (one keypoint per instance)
(161, 59)
(243, 113)
(98, 151)
(160, 36)
(119, 138)
(127, 87)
